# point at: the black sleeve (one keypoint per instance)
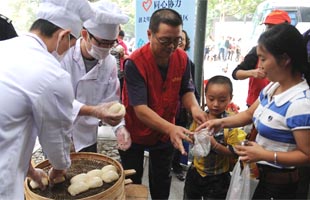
(137, 92)
(197, 93)
(187, 84)
(249, 62)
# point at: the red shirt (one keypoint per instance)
(122, 43)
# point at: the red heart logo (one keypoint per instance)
(147, 5)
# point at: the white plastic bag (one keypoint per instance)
(202, 145)
(240, 183)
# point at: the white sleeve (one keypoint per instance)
(53, 118)
(76, 109)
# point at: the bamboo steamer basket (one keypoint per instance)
(81, 163)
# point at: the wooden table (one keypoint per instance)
(136, 192)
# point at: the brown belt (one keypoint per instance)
(277, 176)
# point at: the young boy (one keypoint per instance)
(209, 177)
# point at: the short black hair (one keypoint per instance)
(7, 29)
(166, 16)
(121, 33)
(219, 79)
(46, 28)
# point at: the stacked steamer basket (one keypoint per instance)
(81, 163)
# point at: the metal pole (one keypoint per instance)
(201, 18)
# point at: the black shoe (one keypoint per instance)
(180, 176)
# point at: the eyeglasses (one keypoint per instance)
(104, 43)
(181, 43)
(167, 41)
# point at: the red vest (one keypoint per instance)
(163, 96)
(255, 86)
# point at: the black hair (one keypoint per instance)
(46, 28)
(121, 33)
(7, 29)
(166, 16)
(286, 39)
(219, 79)
(187, 40)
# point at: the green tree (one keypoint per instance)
(220, 10)
(22, 13)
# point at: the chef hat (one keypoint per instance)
(67, 14)
(105, 24)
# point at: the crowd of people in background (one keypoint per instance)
(223, 49)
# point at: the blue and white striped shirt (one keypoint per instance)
(278, 116)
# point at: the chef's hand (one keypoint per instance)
(37, 175)
(101, 111)
(55, 175)
(123, 138)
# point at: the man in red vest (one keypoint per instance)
(156, 75)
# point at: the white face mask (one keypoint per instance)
(56, 54)
(98, 52)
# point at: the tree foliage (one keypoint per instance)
(227, 10)
(21, 12)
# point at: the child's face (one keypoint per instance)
(217, 98)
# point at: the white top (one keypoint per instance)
(99, 85)
(35, 100)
